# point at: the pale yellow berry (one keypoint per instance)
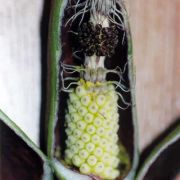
(108, 115)
(80, 91)
(113, 96)
(91, 160)
(81, 125)
(90, 147)
(115, 161)
(114, 108)
(100, 99)
(116, 128)
(98, 121)
(103, 143)
(115, 138)
(71, 139)
(77, 133)
(68, 132)
(109, 134)
(71, 108)
(77, 161)
(79, 144)
(85, 169)
(68, 144)
(108, 105)
(88, 117)
(73, 97)
(108, 173)
(107, 124)
(85, 100)
(82, 111)
(109, 147)
(100, 131)
(67, 118)
(74, 117)
(83, 153)
(95, 139)
(115, 149)
(98, 152)
(102, 112)
(74, 149)
(99, 167)
(68, 154)
(93, 108)
(116, 117)
(115, 173)
(110, 88)
(85, 137)
(106, 158)
(71, 126)
(76, 104)
(90, 129)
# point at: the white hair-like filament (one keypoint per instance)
(113, 10)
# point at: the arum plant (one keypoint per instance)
(91, 109)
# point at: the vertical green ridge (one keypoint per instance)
(131, 75)
(54, 51)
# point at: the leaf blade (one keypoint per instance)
(20, 157)
(167, 142)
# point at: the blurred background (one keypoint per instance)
(156, 40)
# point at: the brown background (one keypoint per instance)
(156, 37)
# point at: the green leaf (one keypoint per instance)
(163, 158)
(20, 158)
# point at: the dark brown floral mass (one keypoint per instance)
(98, 40)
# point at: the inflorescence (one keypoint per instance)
(98, 40)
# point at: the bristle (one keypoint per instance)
(111, 9)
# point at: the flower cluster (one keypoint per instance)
(98, 40)
(91, 127)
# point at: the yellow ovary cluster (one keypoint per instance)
(91, 128)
